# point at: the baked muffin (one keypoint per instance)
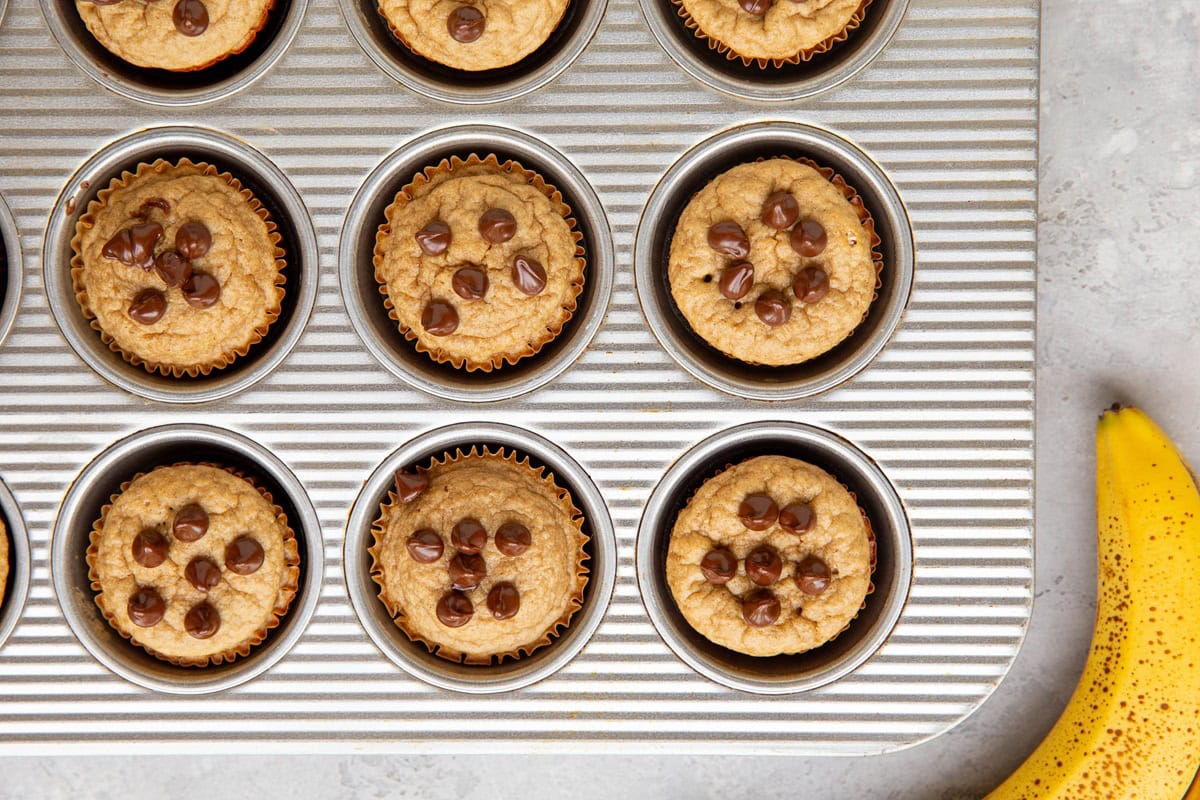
(772, 32)
(773, 262)
(479, 556)
(473, 35)
(479, 262)
(3, 561)
(179, 267)
(194, 563)
(770, 556)
(175, 35)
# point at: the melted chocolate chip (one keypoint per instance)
(468, 536)
(160, 203)
(201, 290)
(773, 308)
(243, 556)
(203, 574)
(497, 226)
(191, 19)
(736, 280)
(467, 571)
(134, 247)
(728, 239)
(780, 211)
(148, 307)
(808, 238)
(719, 566)
(434, 239)
(150, 548)
(760, 608)
(756, 7)
(173, 268)
(528, 275)
(812, 575)
(193, 240)
(796, 518)
(425, 546)
(465, 24)
(811, 285)
(146, 607)
(202, 622)
(513, 539)
(439, 318)
(758, 512)
(410, 485)
(504, 601)
(454, 609)
(763, 566)
(470, 283)
(191, 523)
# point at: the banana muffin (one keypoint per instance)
(772, 32)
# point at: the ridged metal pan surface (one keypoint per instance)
(948, 111)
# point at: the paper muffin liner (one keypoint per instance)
(287, 590)
(410, 191)
(574, 601)
(88, 221)
(763, 63)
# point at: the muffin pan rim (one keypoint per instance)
(19, 567)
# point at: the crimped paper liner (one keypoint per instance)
(88, 220)
(574, 601)
(287, 589)
(762, 63)
(872, 554)
(411, 190)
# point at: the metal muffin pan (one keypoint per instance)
(18, 563)
(141, 452)
(258, 174)
(876, 496)
(380, 333)
(413, 657)
(948, 110)
(164, 87)
(11, 278)
(742, 145)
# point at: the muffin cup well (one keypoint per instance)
(726, 72)
(10, 270)
(746, 144)
(369, 28)
(17, 588)
(413, 657)
(360, 290)
(103, 477)
(271, 188)
(163, 87)
(874, 493)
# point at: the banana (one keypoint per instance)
(1131, 730)
(1194, 792)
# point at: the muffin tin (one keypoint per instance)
(941, 417)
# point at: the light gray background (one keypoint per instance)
(1118, 286)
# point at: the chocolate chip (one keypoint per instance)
(439, 318)
(191, 19)
(763, 566)
(756, 7)
(465, 24)
(773, 308)
(203, 574)
(719, 566)
(528, 275)
(434, 239)
(134, 247)
(758, 512)
(780, 211)
(425, 546)
(454, 609)
(468, 536)
(173, 268)
(148, 307)
(201, 290)
(191, 523)
(513, 539)
(796, 518)
(146, 607)
(497, 226)
(812, 575)
(202, 622)
(410, 485)
(470, 283)
(193, 240)
(811, 285)
(736, 280)
(160, 203)
(150, 548)
(467, 571)
(244, 556)
(808, 238)
(760, 608)
(728, 239)
(504, 601)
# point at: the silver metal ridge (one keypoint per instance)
(18, 564)
(10, 289)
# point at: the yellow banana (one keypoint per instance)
(1131, 730)
(1194, 792)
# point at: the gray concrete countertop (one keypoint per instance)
(1119, 282)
